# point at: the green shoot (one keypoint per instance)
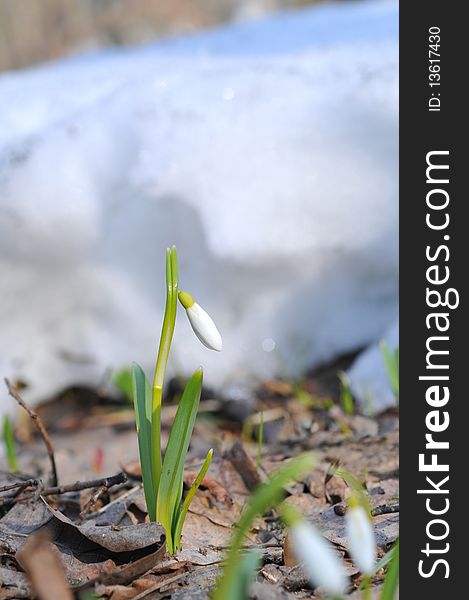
(357, 487)
(260, 438)
(391, 581)
(143, 416)
(163, 480)
(167, 331)
(383, 562)
(266, 496)
(170, 486)
(391, 361)
(346, 398)
(190, 494)
(9, 440)
(122, 380)
(248, 566)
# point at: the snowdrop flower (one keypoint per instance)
(319, 560)
(361, 537)
(201, 323)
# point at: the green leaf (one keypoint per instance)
(346, 398)
(264, 497)
(190, 495)
(148, 449)
(383, 561)
(391, 361)
(260, 438)
(170, 488)
(122, 379)
(359, 492)
(9, 439)
(391, 581)
(248, 566)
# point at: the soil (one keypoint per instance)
(99, 538)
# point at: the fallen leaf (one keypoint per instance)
(42, 563)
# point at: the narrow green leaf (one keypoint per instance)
(391, 581)
(357, 487)
(346, 398)
(391, 361)
(383, 561)
(248, 565)
(170, 488)
(187, 502)
(9, 439)
(122, 379)
(142, 397)
(260, 438)
(266, 496)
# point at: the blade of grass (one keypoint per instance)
(357, 486)
(391, 581)
(260, 438)
(9, 440)
(248, 566)
(170, 487)
(141, 393)
(391, 361)
(123, 381)
(346, 398)
(187, 502)
(383, 561)
(266, 495)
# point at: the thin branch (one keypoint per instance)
(85, 485)
(244, 464)
(104, 482)
(14, 393)
(20, 485)
(385, 509)
(95, 496)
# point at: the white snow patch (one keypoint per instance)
(267, 152)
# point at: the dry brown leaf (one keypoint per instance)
(41, 561)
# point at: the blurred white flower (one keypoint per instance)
(201, 322)
(318, 557)
(361, 538)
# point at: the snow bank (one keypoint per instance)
(267, 152)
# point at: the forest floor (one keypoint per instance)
(99, 537)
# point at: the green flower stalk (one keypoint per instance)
(163, 479)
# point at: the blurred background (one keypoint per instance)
(259, 137)
(34, 31)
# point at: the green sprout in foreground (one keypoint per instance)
(9, 441)
(391, 362)
(265, 496)
(163, 478)
(346, 398)
(320, 562)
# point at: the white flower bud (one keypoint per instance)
(319, 560)
(361, 538)
(201, 322)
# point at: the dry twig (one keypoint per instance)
(14, 393)
(95, 496)
(19, 485)
(244, 464)
(78, 486)
(104, 482)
